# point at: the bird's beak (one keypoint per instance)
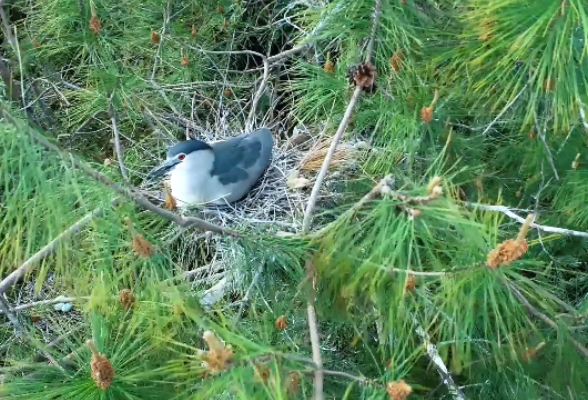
(163, 168)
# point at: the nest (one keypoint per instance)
(277, 201)
(275, 205)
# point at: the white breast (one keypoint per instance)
(191, 182)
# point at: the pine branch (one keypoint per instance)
(50, 248)
(538, 314)
(135, 196)
(509, 213)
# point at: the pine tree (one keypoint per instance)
(421, 233)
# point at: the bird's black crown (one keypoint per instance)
(187, 147)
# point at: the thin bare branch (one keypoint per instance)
(583, 116)
(509, 213)
(505, 109)
(310, 268)
(249, 292)
(117, 146)
(434, 356)
(50, 248)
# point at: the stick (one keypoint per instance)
(249, 292)
(509, 213)
(310, 269)
(166, 19)
(505, 109)
(136, 197)
(56, 300)
(583, 115)
(117, 146)
(50, 248)
(433, 354)
(313, 328)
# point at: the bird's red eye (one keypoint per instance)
(181, 157)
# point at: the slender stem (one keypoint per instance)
(249, 292)
(328, 158)
(509, 213)
(50, 248)
(505, 109)
(117, 146)
(442, 369)
(310, 268)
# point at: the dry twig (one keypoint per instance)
(509, 213)
(311, 273)
(50, 248)
(117, 146)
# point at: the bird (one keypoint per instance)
(218, 173)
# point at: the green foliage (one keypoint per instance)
(507, 129)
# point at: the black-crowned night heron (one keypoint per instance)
(217, 173)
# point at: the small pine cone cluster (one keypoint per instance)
(363, 75)
(127, 299)
(102, 370)
(281, 323)
(218, 357)
(398, 390)
(141, 246)
(508, 251)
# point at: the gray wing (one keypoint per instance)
(243, 158)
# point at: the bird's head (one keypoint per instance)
(177, 154)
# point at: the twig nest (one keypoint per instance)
(102, 370)
(398, 390)
(297, 181)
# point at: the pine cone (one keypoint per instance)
(281, 323)
(363, 75)
(398, 390)
(127, 299)
(102, 371)
(508, 251)
(95, 25)
(141, 246)
(218, 356)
